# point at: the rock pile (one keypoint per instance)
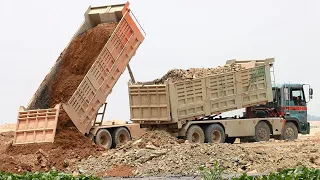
(150, 157)
(176, 75)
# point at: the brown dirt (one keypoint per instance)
(67, 149)
(118, 171)
(177, 75)
(70, 145)
(78, 59)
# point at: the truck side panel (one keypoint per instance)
(149, 103)
(36, 126)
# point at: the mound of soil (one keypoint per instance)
(69, 146)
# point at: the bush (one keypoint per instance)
(299, 173)
(52, 175)
(214, 173)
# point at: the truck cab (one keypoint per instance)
(291, 102)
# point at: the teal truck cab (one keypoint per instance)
(289, 102)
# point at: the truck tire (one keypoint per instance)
(230, 140)
(120, 135)
(103, 138)
(290, 131)
(195, 134)
(215, 134)
(262, 132)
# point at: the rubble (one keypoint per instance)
(177, 75)
(151, 156)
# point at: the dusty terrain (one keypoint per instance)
(159, 154)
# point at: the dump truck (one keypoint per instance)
(36, 123)
(191, 108)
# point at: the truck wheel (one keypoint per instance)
(120, 135)
(230, 140)
(195, 134)
(214, 134)
(103, 138)
(290, 131)
(262, 132)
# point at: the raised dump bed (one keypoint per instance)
(98, 82)
(192, 99)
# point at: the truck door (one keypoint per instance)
(297, 104)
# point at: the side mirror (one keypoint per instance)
(310, 91)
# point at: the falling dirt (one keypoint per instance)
(177, 75)
(70, 145)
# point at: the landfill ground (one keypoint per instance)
(159, 155)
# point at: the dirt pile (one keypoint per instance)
(70, 145)
(175, 158)
(67, 149)
(176, 75)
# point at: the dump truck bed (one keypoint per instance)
(97, 84)
(192, 99)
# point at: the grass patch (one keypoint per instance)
(52, 175)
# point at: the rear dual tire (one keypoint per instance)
(214, 133)
(104, 138)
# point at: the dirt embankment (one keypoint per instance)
(177, 75)
(70, 145)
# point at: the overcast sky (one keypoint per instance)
(180, 34)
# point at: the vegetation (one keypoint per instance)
(299, 173)
(52, 175)
(214, 173)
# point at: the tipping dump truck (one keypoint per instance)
(37, 125)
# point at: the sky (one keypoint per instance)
(180, 34)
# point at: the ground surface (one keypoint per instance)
(158, 154)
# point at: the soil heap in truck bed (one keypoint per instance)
(69, 145)
(177, 75)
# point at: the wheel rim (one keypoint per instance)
(104, 140)
(262, 134)
(289, 133)
(195, 137)
(123, 138)
(216, 136)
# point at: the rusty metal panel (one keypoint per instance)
(36, 126)
(105, 72)
(149, 103)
